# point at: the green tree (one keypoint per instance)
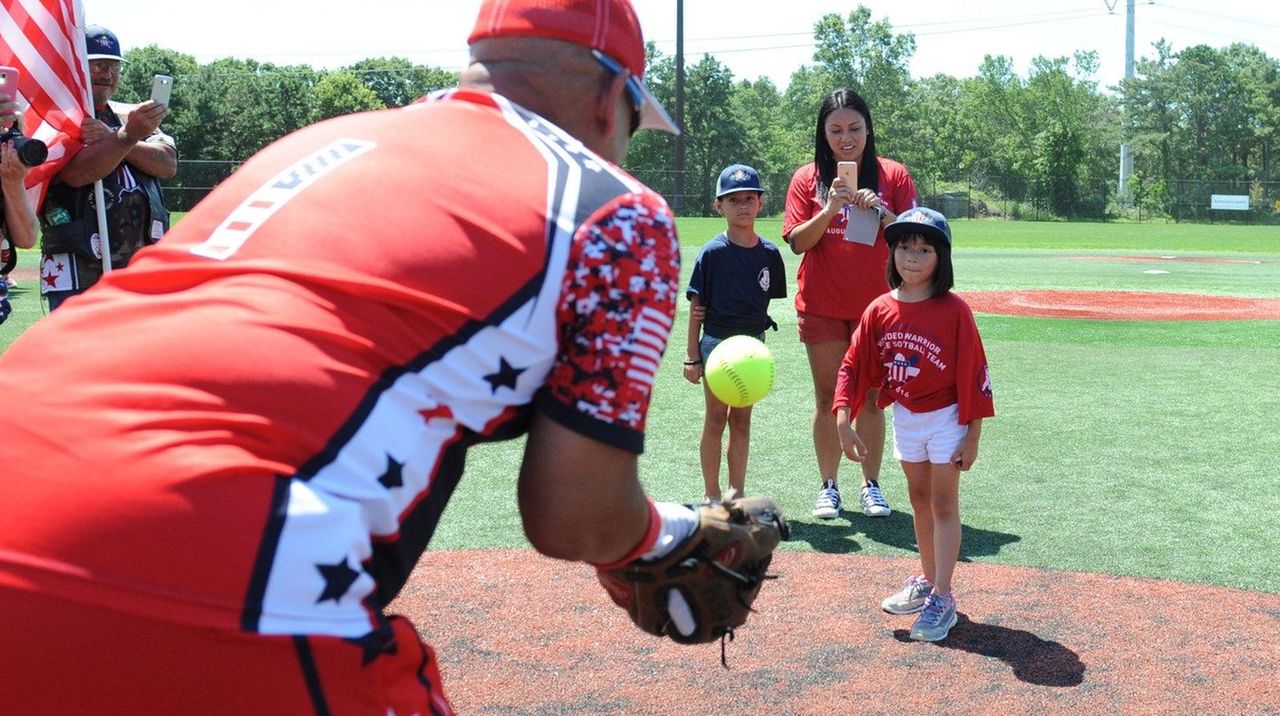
(937, 139)
(243, 105)
(339, 93)
(714, 135)
(1203, 115)
(767, 145)
(798, 114)
(1151, 114)
(1261, 77)
(651, 157)
(397, 81)
(1047, 133)
(869, 57)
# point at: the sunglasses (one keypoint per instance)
(633, 86)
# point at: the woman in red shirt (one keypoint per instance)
(838, 227)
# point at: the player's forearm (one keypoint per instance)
(580, 499)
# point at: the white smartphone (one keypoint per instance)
(849, 172)
(8, 84)
(161, 88)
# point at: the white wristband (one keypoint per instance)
(678, 522)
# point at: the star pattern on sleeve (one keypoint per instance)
(393, 477)
(506, 376)
(338, 578)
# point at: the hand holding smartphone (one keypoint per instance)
(849, 172)
(161, 88)
(863, 224)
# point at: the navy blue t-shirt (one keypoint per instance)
(735, 284)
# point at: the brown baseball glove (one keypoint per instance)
(704, 588)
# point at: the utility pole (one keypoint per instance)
(1126, 155)
(679, 145)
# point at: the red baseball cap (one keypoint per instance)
(610, 27)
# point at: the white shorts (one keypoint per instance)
(934, 436)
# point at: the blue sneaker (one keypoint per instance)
(828, 505)
(935, 622)
(873, 502)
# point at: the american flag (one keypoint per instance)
(44, 41)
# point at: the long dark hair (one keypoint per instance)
(869, 167)
(944, 276)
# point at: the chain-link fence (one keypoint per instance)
(1251, 202)
(195, 179)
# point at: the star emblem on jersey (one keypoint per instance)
(394, 475)
(902, 369)
(506, 376)
(338, 578)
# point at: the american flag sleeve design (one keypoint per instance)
(615, 316)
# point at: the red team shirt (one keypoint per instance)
(838, 278)
(256, 427)
(924, 355)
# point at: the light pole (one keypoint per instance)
(679, 145)
(1126, 155)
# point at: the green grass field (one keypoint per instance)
(1133, 448)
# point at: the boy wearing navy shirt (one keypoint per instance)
(735, 276)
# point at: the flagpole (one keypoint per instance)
(98, 200)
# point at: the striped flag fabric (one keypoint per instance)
(44, 41)
(647, 341)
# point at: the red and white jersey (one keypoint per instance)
(839, 278)
(924, 355)
(257, 425)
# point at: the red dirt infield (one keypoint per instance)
(1122, 305)
(517, 633)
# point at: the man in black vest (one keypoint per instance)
(124, 148)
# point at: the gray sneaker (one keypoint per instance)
(911, 599)
(935, 622)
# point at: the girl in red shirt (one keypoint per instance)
(919, 346)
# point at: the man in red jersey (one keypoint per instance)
(258, 428)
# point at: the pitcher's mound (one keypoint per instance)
(517, 633)
(1123, 305)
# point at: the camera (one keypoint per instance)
(31, 152)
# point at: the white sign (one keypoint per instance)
(1230, 202)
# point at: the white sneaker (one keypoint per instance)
(873, 502)
(828, 505)
(910, 599)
